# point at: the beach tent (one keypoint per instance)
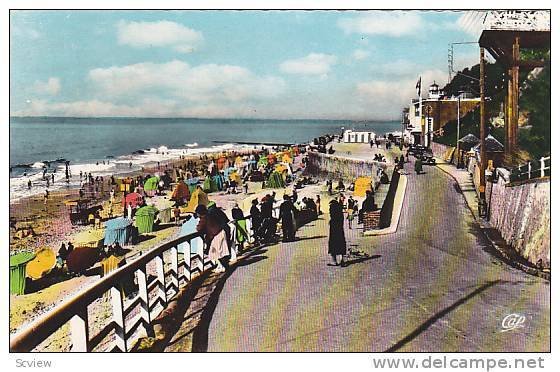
(209, 185)
(151, 185)
(286, 158)
(198, 197)
(234, 176)
(165, 207)
(42, 264)
(271, 158)
(181, 192)
(18, 263)
(89, 238)
(189, 227)
(118, 230)
(219, 180)
(362, 185)
(263, 160)
(238, 161)
(275, 181)
(221, 162)
(281, 168)
(191, 183)
(134, 199)
(81, 259)
(145, 217)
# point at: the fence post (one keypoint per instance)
(118, 318)
(79, 331)
(175, 267)
(145, 299)
(542, 166)
(529, 170)
(161, 277)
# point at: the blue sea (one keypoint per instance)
(116, 141)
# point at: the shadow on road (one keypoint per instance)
(440, 314)
(360, 259)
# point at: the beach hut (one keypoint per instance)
(151, 186)
(18, 263)
(134, 199)
(181, 193)
(118, 230)
(209, 185)
(361, 185)
(125, 184)
(42, 264)
(198, 197)
(275, 181)
(145, 218)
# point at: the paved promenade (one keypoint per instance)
(434, 285)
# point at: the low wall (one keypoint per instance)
(522, 215)
(439, 149)
(335, 167)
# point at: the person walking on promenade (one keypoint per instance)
(318, 204)
(256, 218)
(337, 242)
(287, 213)
(418, 166)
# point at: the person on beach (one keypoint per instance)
(351, 211)
(368, 205)
(29, 184)
(256, 218)
(337, 241)
(46, 198)
(242, 234)
(318, 204)
(129, 210)
(287, 214)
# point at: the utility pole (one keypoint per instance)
(458, 125)
(482, 179)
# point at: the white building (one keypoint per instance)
(351, 136)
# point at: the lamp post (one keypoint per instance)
(458, 124)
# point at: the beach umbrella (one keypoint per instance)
(89, 238)
(117, 230)
(134, 199)
(18, 263)
(81, 259)
(145, 217)
(467, 142)
(42, 264)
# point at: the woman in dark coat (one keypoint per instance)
(337, 242)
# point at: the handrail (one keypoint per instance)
(74, 309)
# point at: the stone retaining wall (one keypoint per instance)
(522, 215)
(335, 167)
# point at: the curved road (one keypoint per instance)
(434, 285)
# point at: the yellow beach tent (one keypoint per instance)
(198, 197)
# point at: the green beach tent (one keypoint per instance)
(145, 217)
(151, 183)
(263, 161)
(275, 181)
(18, 263)
(209, 185)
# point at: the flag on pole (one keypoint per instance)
(419, 86)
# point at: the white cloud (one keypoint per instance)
(312, 64)
(158, 34)
(360, 54)
(50, 87)
(204, 83)
(390, 23)
(391, 96)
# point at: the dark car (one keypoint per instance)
(428, 157)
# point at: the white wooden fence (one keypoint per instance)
(531, 170)
(173, 271)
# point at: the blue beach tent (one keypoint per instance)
(118, 230)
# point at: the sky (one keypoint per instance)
(230, 64)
